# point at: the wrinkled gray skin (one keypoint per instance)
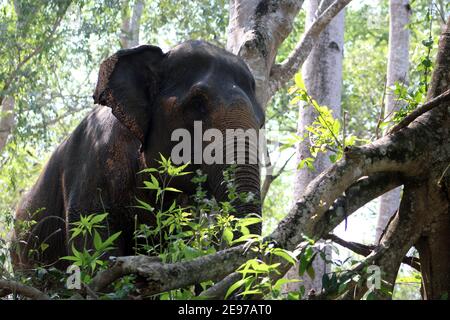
(145, 94)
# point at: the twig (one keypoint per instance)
(271, 178)
(219, 290)
(365, 250)
(382, 105)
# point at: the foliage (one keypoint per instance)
(326, 132)
(86, 229)
(49, 61)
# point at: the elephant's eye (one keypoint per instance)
(199, 104)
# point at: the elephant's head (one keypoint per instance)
(193, 85)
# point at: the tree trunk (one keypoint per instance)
(434, 243)
(322, 73)
(255, 31)
(6, 120)
(398, 64)
(129, 36)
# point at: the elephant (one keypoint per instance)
(142, 95)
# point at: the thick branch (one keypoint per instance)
(282, 73)
(163, 277)
(24, 290)
(256, 30)
(357, 195)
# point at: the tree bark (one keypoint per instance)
(131, 23)
(434, 244)
(398, 65)
(6, 120)
(322, 74)
(256, 30)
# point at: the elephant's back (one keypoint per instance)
(93, 169)
(79, 161)
(100, 162)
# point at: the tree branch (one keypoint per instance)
(220, 289)
(36, 51)
(163, 277)
(10, 286)
(271, 178)
(435, 102)
(357, 195)
(282, 73)
(365, 250)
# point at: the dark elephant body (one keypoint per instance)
(147, 94)
(93, 171)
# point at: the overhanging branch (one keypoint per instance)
(282, 73)
(356, 196)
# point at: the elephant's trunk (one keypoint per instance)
(246, 181)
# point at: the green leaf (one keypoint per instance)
(428, 43)
(76, 253)
(248, 221)
(144, 205)
(282, 281)
(154, 181)
(148, 170)
(311, 273)
(111, 239)
(70, 258)
(228, 235)
(248, 292)
(75, 233)
(299, 81)
(235, 286)
(303, 265)
(97, 240)
(286, 255)
(172, 189)
(44, 246)
(246, 237)
(98, 218)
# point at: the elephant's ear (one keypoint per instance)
(128, 83)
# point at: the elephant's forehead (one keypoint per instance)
(194, 52)
(192, 47)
